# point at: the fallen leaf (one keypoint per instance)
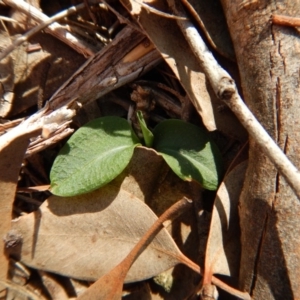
(223, 245)
(6, 82)
(85, 236)
(34, 76)
(19, 82)
(110, 285)
(11, 156)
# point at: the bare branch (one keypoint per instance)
(225, 88)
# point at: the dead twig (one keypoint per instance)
(225, 89)
(40, 143)
(54, 29)
(285, 20)
(199, 21)
(158, 12)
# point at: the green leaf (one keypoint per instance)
(95, 154)
(147, 134)
(189, 152)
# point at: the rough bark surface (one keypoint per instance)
(268, 57)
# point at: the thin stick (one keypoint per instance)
(3, 18)
(54, 29)
(21, 290)
(285, 20)
(198, 19)
(158, 12)
(225, 89)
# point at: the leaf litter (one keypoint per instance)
(223, 248)
(87, 248)
(82, 237)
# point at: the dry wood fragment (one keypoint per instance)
(126, 58)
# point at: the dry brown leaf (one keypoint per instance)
(223, 245)
(11, 156)
(84, 237)
(6, 83)
(109, 286)
(54, 287)
(30, 77)
(23, 82)
(166, 36)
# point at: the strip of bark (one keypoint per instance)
(268, 61)
(112, 67)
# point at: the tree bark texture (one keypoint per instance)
(268, 57)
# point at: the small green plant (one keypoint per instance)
(100, 150)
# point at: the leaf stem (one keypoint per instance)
(171, 213)
(110, 284)
(285, 20)
(217, 282)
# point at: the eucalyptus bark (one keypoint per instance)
(268, 59)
